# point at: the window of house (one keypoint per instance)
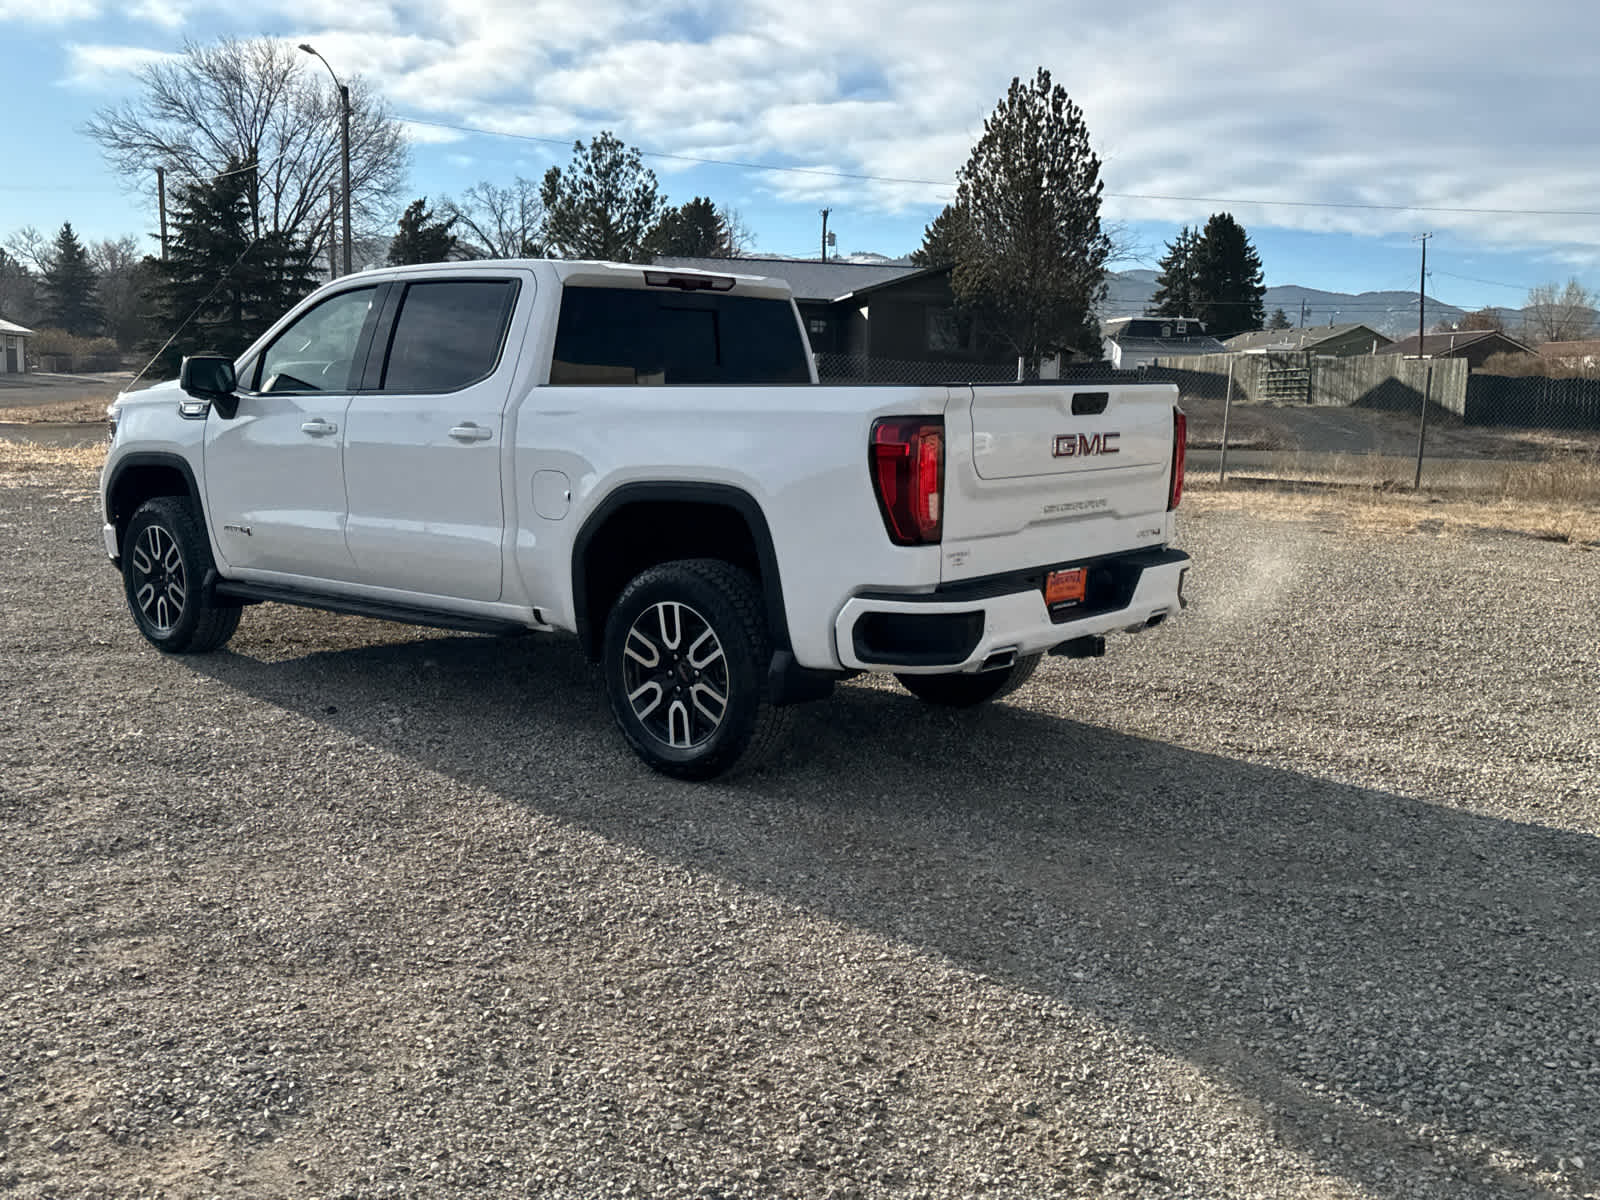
(817, 325)
(448, 334)
(944, 332)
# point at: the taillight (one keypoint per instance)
(907, 461)
(1180, 435)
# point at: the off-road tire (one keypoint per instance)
(166, 559)
(967, 691)
(707, 595)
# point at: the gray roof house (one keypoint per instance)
(1131, 342)
(13, 348)
(1335, 340)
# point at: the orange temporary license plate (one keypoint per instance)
(1064, 587)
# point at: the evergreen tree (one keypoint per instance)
(1227, 279)
(1175, 294)
(1279, 320)
(941, 240)
(69, 286)
(421, 239)
(228, 285)
(1032, 265)
(693, 230)
(603, 205)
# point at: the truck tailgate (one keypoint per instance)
(1053, 473)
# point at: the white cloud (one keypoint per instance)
(48, 12)
(1349, 101)
(100, 67)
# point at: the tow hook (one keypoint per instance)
(1081, 647)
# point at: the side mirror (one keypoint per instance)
(210, 377)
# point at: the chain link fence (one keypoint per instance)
(859, 368)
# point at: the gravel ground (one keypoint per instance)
(1295, 897)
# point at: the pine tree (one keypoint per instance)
(421, 238)
(229, 286)
(1279, 320)
(942, 239)
(603, 205)
(692, 230)
(1227, 279)
(1175, 292)
(1033, 263)
(69, 286)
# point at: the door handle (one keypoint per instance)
(471, 433)
(319, 428)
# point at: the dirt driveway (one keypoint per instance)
(1297, 896)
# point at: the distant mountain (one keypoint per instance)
(1393, 314)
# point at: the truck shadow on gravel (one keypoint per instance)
(1363, 967)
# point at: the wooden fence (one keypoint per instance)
(1367, 381)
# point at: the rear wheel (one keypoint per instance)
(165, 560)
(966, 691)
(686, 656)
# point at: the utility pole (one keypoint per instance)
(1302, 312)
(161, 199)
(1427, 387)
(1422, 290)
(344, 146)
(333, 240)
(825, 213)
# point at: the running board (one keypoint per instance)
(405, 614)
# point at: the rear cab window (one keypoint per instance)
(629, 337)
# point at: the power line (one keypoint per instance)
(829, 173)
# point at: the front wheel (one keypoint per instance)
(686, 654)
(966, 691)
(165, 561)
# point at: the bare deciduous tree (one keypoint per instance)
(1559, 314)
(30, 248)
(121, 279)
(256, 101)
(498, 222)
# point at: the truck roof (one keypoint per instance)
(594, 273)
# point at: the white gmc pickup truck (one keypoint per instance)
(643, 457)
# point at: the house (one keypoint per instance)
(1474, 345)
(1338, 341)
(13, 348)
(1129, 342)
(1584, 354)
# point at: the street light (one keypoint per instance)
(344, 143)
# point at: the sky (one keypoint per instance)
(1334, 132)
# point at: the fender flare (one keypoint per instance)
(721, 494)
(150, 458)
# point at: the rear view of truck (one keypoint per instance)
(1052, 507)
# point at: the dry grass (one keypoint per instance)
(25, 462)
(1555, 505)
(86, 410)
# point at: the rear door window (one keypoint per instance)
(630, 337)
(448, 334)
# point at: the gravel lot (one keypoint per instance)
(1296, 897)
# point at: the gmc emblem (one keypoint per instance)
(1082, 445)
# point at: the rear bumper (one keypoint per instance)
(960, 629)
